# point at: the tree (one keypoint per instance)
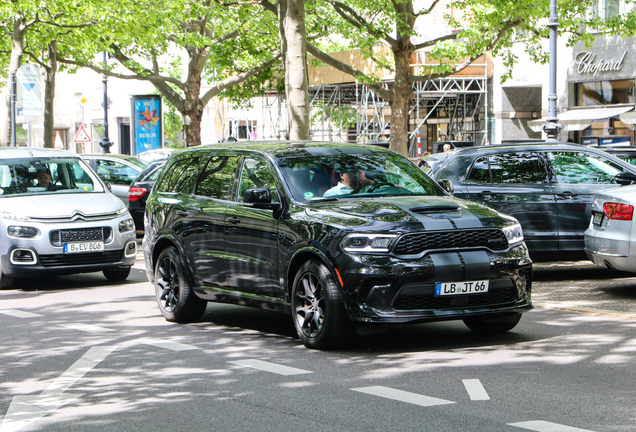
(484, 25)
(228, 46)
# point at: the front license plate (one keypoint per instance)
(598, 218)
(95, 246)
(456, 288)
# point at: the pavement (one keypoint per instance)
(580, 286)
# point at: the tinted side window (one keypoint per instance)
(583, 168)
(517, 168)
(218, 177)
(116, 172)
(480, 172)
(181, 175)
(257, 173)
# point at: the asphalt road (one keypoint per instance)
(79, 353)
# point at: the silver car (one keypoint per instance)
(59, 218)
(610, 240)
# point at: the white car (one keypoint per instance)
(57, 217)
(610, 240)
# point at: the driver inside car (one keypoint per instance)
(350, 183)
(44, 179)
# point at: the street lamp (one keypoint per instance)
(105, 142)
(552, 126)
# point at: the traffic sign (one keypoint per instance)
(81, 136)
(29, 88)
(29, 111)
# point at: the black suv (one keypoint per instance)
(548, 187)
(340, 235)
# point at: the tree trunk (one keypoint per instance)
(401, 103)
(19, 30)
(49, 96)
(192, 109)
(296, 74)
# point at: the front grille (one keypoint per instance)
(79, 235)
(414, 244)
(59, 260)
(491, 298)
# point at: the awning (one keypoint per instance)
(581, 118)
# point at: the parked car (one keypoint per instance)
(71, 225)
(268, 225)
(156, 154)
(118, 170)
(139, 192)
(548, 187)
(610, 239)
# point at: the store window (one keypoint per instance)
(606, 9)
(605, 92)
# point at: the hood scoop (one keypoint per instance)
(435, 209)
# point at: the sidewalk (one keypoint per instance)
(580, 286)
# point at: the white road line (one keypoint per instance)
(88, 328)
(545, 426)
(402, 396)
(25, 410)
(475, 390)
(174, 346)
(270, 367)
(19, 313)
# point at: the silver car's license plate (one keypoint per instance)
(456, 288)
(598, 218)
(94, 246)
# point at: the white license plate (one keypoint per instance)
(598, 218)
(95, 246)
(457, 288)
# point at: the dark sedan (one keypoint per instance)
(548, 187)
(139, 192)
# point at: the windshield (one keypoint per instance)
(352, 175)
(32, 176)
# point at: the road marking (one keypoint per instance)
(24, 410)
(545, 426)
(174, 346)
(270, 367)
(88, 328)
(475, 390)
(402, 396)
(19, 313)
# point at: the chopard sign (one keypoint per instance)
(587, 63)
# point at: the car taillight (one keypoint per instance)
(134, 193)
(618, 211)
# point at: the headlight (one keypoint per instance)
(21, 231)
(355, 243)
(126, 225)
(514, 234)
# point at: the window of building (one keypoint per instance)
(604, 92)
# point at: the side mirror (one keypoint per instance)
(108, 186)
(625, 178)
(447, 185)
(259, 198)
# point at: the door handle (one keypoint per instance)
(183, 213)
(486, 193)
(567, 194)
(233, 220)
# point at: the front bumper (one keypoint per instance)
(389, 290)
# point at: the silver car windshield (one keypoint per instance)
(355, 175)
(37, 176)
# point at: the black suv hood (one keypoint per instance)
(406, 214)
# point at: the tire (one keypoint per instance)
(319, 315)
(492, 324)
(117, 274)
(6, 282)
(175, 297)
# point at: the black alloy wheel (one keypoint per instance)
(319, 315)
(175, 297)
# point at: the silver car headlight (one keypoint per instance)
(126, 225)
(368, 243)
(21, 231)
(514, 234)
